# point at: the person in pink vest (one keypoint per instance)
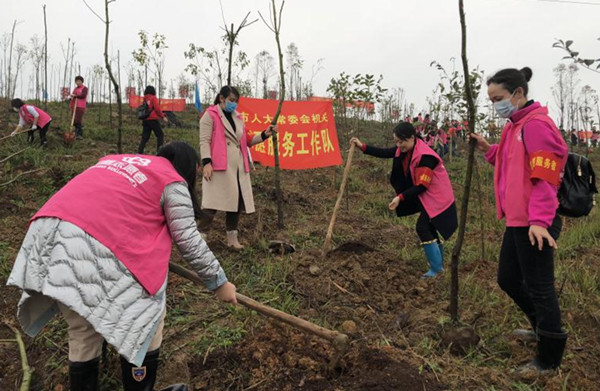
(32, 117)
(98, 252)
(226, 184)
(528, 167)
(421, 184)
(79, 97)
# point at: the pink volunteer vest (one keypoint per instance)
(517, 178)
(28, 118)
(117, 201)
(81, 103)
(218, 145)
(439, 196)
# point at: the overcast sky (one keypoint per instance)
(395, 38)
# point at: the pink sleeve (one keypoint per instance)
(490, 155)
(538, 137)
(543, 203)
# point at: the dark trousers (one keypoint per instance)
(526, 274)
(150, 126)
(78, 121)
(43, 131)
(425, 229)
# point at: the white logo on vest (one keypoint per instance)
(137, 160)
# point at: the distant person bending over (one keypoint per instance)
(32, 117)
(421, 183)
(224, 144)
(152, 124)
(79, 97)
(528, 165)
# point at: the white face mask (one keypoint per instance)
(504, 108)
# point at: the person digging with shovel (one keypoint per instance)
(98, 252)
(78, 104)
(31, 116)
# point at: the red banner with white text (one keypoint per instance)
(307, 133)
(165, 104)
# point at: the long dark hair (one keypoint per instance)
(225, 92)
(511, 79)
(185, 160)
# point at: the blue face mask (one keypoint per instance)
(504, 108)
(230, 106)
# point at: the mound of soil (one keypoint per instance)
(277, 358)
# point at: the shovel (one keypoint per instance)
(338, 340)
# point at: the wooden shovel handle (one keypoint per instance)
(339, 340)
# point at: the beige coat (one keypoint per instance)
(221, 192)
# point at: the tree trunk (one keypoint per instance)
(113, 80)
(45, 92)
(10, 92)
(278, 192)
(467, 188)
(231, 39)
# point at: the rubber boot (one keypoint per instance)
(232, 241)
(441, 246)
(78, 132)
(140, 378)
(84, 375)
(434, 257)
(143, 378)
(550, 350)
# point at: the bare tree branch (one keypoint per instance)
(94, 12)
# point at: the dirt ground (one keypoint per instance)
(368, 287)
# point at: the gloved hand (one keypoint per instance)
(33, 127)
(14, 133)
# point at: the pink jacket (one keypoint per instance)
(218, 145)
(527, 175)
(117, 201)
(439, 195)
(43, 119)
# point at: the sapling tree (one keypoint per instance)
(231, 37)
(152, 52)
(264, 68)
(469, 174)
(559, 93)
(274, 24)
(107, 64)
(36, 56)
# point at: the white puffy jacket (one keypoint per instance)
(58, 261)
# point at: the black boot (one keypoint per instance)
(143, 378)
(78, 132)
(84, 375)
(140, 378)
(550, 349)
